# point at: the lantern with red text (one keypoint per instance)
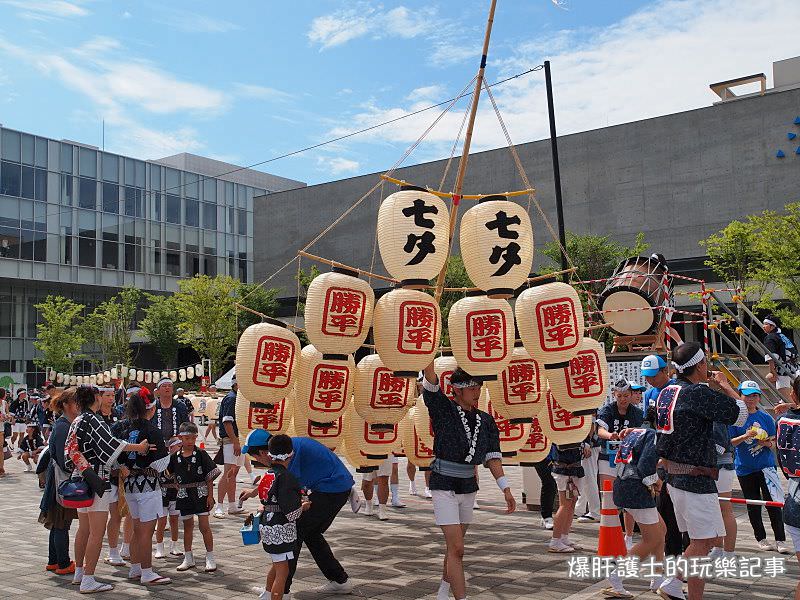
(367, 447)
(327, 434)
(272, 417)
(413, 235)
(497, 245)
(550, 322)
(512, 435)
(517, 391)
(416, 450)
(380, 397)
(338, 311)
(266, 361)
(407, 326)
(582, 385)
(324, 386)
(481, 335)
(444, 366)
(537, 446)
(422, 422)
(561, 426)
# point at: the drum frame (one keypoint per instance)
(655, 322)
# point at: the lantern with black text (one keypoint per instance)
(148, 376)
(582, 385)
(182, 374)
(550, 322)
(266, 361)
(413, 235)
(481, 335)
(189, 372)
(536, 448)
(338, 311)
(416, 450)
(59, 378)
(561, 426)
(272, 417)
(517, 392)
(327, 434)
(200, 371)
(497, 245)
(380, 397)
(324, 386)
(407, 326)
(512, 435)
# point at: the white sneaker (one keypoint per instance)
(211, 566)
(547, 523)
(428, 494)
(368, 509)
(765, 545)
(28, 470)
(188, 562)
(382, 512)
(783, 548)
(655, 583)
(218, 512)
(335, 588)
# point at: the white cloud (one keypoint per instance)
(658, 61)
(428, 92)
(46, 10)
(260, 92)
(337, 165)
(126, 15)
(192, 22)
(362, 20)
(445, 53)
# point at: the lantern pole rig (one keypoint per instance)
(562, 241)
(462, 165)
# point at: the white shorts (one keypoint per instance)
(697, 514)
(793, 533)
(450, 508)
(384, 470)
(172, 509)
(725, 481)
(783, 382)
(282, 556)
(644, 516)
(100, 504)
(146, 506)
(113, 494)
(604, 468)
(19, 428)
(190, 517)
(561, 483)
(229, 458)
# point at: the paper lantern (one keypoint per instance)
(381, 398)
(260, 415)
(444, 366)
(537, 446)
(422, 422)
(407, 327)
(113, 373)
(561, 426)
(73, 380)
(550, 322)
(51, 374)
(198, 368)
(581, 387)
(148, 377)
(496, 240)
(59, 378)
(132, 374)
(481, 335)
(352, 429)
(189, 372)
(173, 375)
(266, 361)
(182, 374)
(327, 434)
(417, 452)
(517, 393)
(372, 444)
(413, 235)
(338, 311)
(164, 375)
(324, 386)
(125, 372)
(512, 435)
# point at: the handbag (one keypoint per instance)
(219, 457)
(74, 493)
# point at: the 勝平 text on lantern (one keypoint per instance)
(630, 567)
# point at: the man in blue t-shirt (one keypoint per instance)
(756, 467)
(654, 370)
(330, 484)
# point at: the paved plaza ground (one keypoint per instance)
(397, 559)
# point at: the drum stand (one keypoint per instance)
(642, 343)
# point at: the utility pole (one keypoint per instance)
(556, 170)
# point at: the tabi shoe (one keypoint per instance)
(547, 523)
(135, 573)
(159, 551)
(188, 562)
(173, 550)
(412, 488)
(68, 570)
(475, 505)
(612, 592)
(783, 548)
(94, 586)
(211, 566)
(559, 547)
(265, 595)
(671, 589)
(765, 545)
(571, 544)
(398, 504)
(335, 588)
(368, 509)
(237, 510)
(427, 494)
(382, 514)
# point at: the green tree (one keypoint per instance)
(456, 277)
(110, 325)
(58, 333)
(160, 325)
(207, 309)
(257, 298)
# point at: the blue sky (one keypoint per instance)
(246, 81)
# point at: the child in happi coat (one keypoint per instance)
(570, 480)
(31, 446)
(194, 472)
(282, 507)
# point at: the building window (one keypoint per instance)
(242, 267)
(87, 163)
(66, 246)
(9, 178)
(110, 254)
(156, 257)
(87, 193)
(210, 265)
(9, 242)
(173, 263)
(86, 249)
(134, 205)
(173, 211)
(10, 145)
(40, 216)
(156, 212)
(209, 216)
(66, 190)
(110, 167)
(66, 158)
(110, 198)
(40, 185)
(231, 217)
(133, 258)
(192, 212)
(26, 190)
(9, 212)
(242, 222)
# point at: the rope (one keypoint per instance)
(453, 149)
(374, 245)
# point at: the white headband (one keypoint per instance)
(106, 389)
(280, 456)
(770, 322)
(695, 360)
(466, 384)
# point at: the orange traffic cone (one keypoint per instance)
(612, 540)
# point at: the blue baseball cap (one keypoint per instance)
(258, 438)
(652, 364)
(748, 388)
(637, 387)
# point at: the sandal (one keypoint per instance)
(610, 592)
(158, 581)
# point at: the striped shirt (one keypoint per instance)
(97, 444)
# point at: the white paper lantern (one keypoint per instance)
(518, 393)
(407, 327)
(113, 373)
(550, 322)
(327, 434)
(582, 386)
(51, 374)
(324, 386)
(259, 415)
(512, 435)
(173, 375)
(125, 372)
(444, 366)
(373, 444)
(73, 380)
(338, 313)
(198, 368)
(148, 377)
(59, 378)
(413, 235)
(182, 374)
(380, 397)
(133, 374)
(536, 448)
(266, 361)
(561, 426)
(422, 423)
(497, 245)
(189, 372)
(481, 335)
(417, 452)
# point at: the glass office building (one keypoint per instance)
(77, 221)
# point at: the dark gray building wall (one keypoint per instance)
(676, 178)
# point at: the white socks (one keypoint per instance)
(412, 487)
(125, 550)
(114, 555)
(444, 591)
(394, 488)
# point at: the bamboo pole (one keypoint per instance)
(441, 194)
(462, 165)
(263, 316)
(334, 263)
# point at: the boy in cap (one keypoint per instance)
(655, 372)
